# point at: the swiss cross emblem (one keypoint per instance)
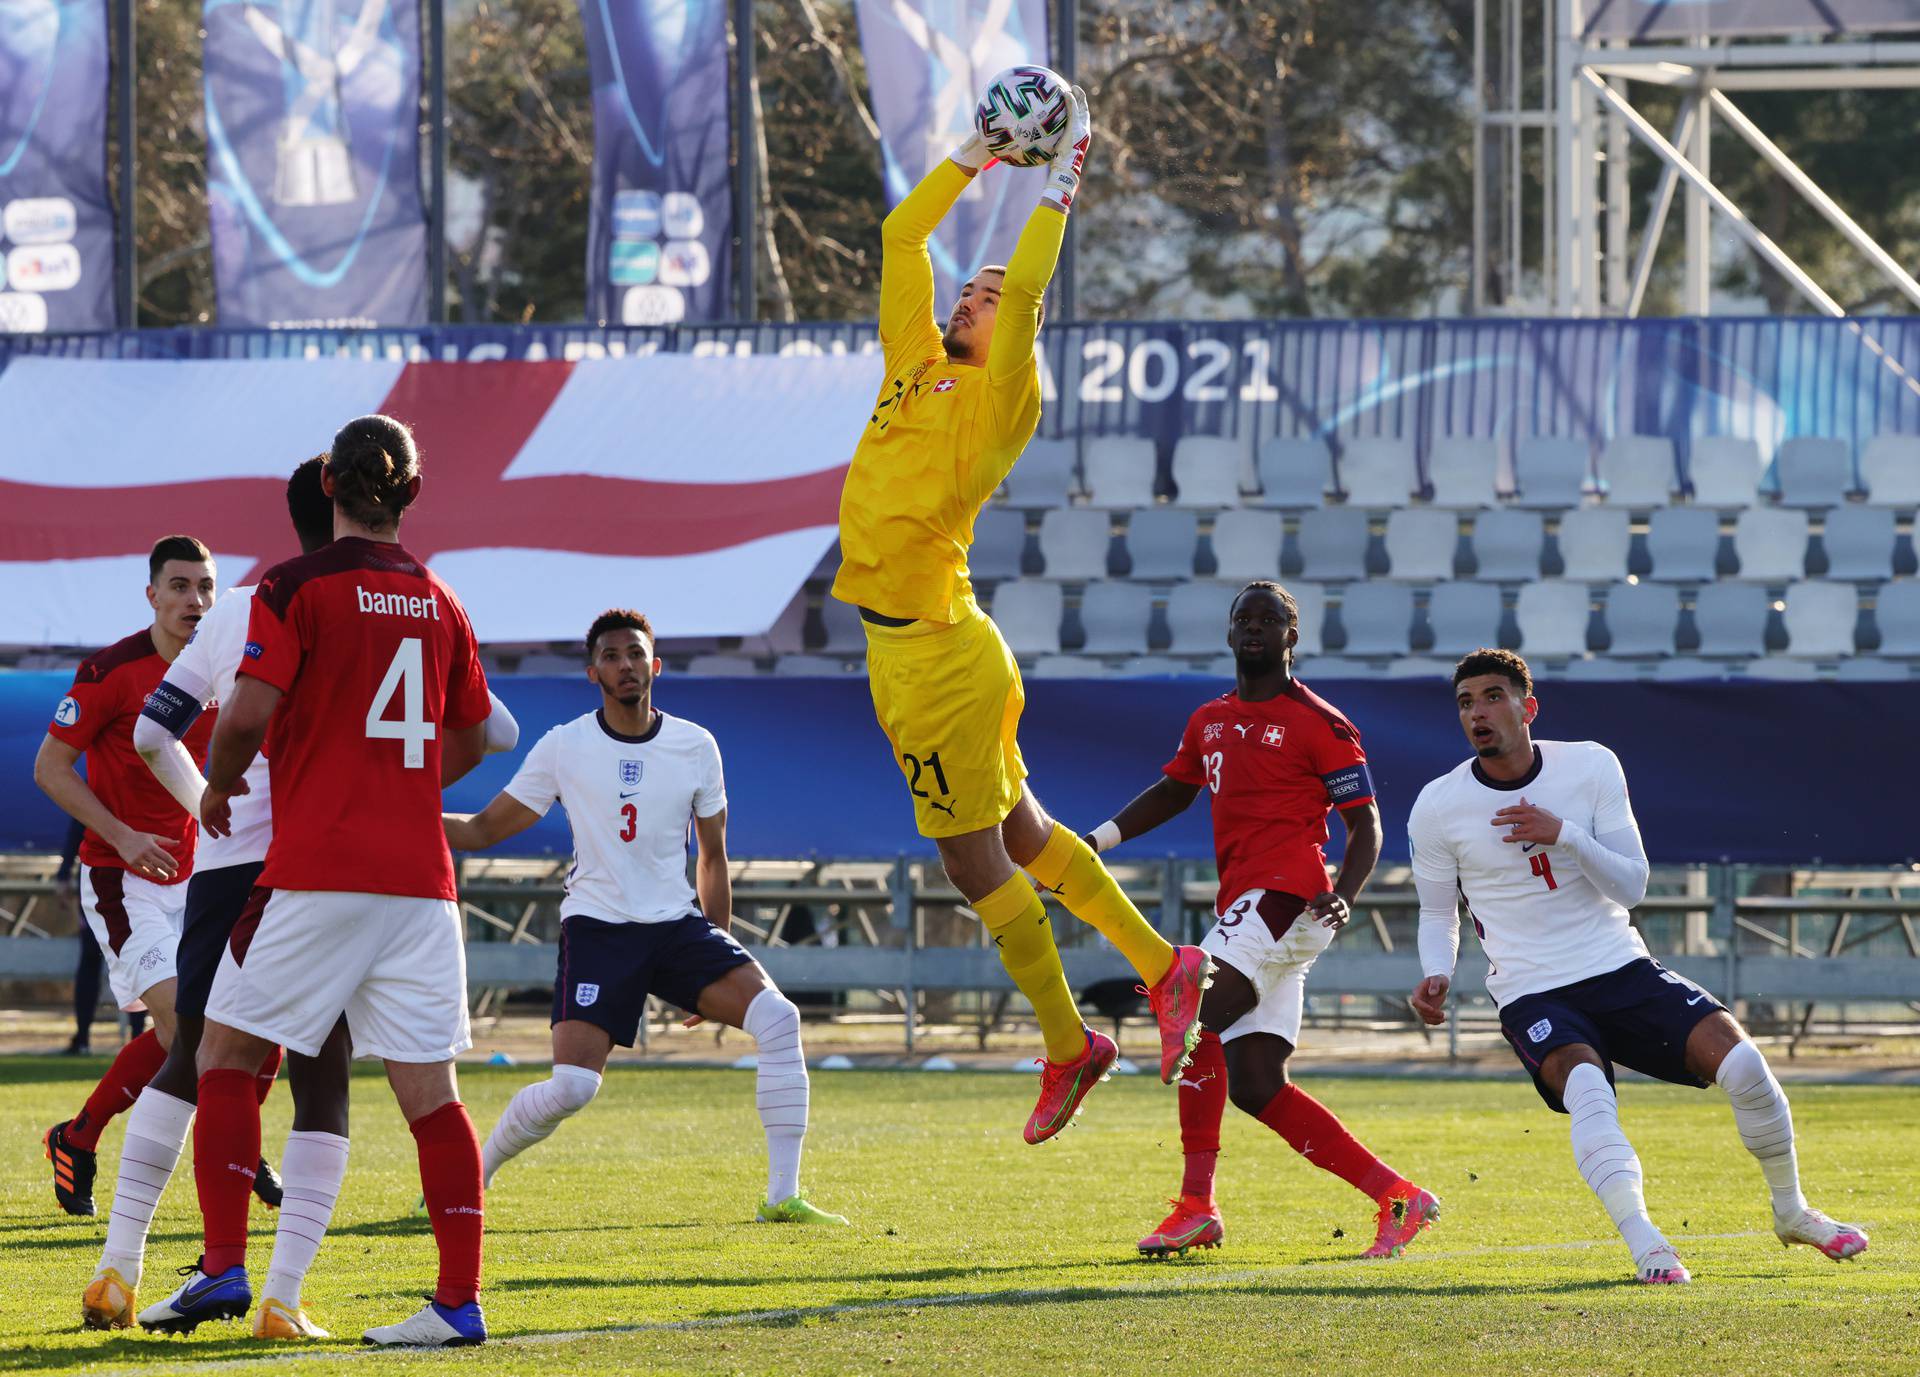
(944, 385)
(1273, 736)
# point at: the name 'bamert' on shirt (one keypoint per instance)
(398, 604)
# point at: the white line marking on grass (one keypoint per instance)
(1170, 1283)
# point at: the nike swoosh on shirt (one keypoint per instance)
(634, 794)
(1696, 999)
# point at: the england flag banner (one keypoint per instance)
(660, 233)
(56, 227)
(313, 162)
(928, 62)
(550, 490)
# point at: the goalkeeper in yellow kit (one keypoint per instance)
(955, 410)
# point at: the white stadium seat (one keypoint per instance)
(1771, 543)
(999, 541)
(1206, 471)
(1043, 476)
(1464, 617)
(722, 666)
(1896, 612)
(1421, 542)
(1119, 470)
(1161, 542)
(811, 667)
(1553, 618)
(1638, 471)
(1642, 618)
(1028, 612)
(1074, 542)
(1333, 543)
(1197, 616)
(1247, 544)
(1683, 543)
(1859, 543)
(1812, 471)
(1293, 473)
(1594, 542)
(1781, 667)
(845, 636)
(1890, 470)
(1464, 473)
(1114, 616)
(1377, 473)
(1549, 471)
(1378, 618)
(1507, 545)
(1731, 619)
(1724, 471)
(1820, 620)
(1066, 667)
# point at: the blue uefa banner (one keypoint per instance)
(927, 63)
(660, 240)
(56, 228)
(313, 162)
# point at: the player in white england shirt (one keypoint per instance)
(631, 779)
(1536, 839)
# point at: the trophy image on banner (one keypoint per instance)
(314, 166)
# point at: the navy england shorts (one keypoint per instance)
(607, 970)
(1639, 1016)
(215, 899)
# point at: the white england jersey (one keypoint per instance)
(1541, 921)
(204, 671)
(630, 801)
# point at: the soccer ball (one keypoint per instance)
(1024, 115)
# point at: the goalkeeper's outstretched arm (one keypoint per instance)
(906, 272)
(1037, 254)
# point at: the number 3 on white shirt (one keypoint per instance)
(406, 673)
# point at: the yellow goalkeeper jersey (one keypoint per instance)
(942, 436)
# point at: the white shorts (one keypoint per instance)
(1244, 937)
(137, 924)
(395, 965)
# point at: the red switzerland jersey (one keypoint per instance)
(1274, 769)
(97, 717)
(377, 661)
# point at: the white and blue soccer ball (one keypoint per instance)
(1023, 114)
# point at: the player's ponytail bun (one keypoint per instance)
(373, 464)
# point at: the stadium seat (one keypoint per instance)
(1074, 542)
(1507, 544)
(1246, 544)
(1148, 667)
(538, 662)
(845, 636)
(1464, 617)
(1464, 473)
(1197, 617)
(1043, 476)
(1418, 667)
(1377, 473)
(1724, 471)
(1333, 543)
(1771, 543)
(1553, 617)
(1114, 616)
(1219, 667)
(1642, 618)
(1687, 670)
(1161, 541)
(1378, 618)
(1638, 471)
(722, 666)
(1820, 620)
(1731, 619)
(1593, 544)
(1293, 473)
(1896, 612)
(1859, 543)
(1781, 667)
(1599, 670)
(1333, 667)
(1120, 471)
(999, 544)
(1028, 613)
(1812, 471)
(1890, 470)
(1549, 472)
(1311, 600)
(811, 667)
(1067, 667)
(1421, 543)
(1206, 471)
(1871, 669)
(1684, 544)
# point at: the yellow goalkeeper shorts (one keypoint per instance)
(949, 699)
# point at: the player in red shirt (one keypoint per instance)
(1275, 758)
(364, 667)
(137, 851)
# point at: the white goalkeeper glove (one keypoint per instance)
(972, 156)
(1063, 170)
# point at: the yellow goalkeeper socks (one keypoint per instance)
(1067, 866)
(1023, 937)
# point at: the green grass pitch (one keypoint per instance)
(623, 1244)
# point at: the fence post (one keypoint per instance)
(1726, 919)
(903, 920)
(1173, 901)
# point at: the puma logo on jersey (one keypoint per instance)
(946, 808)
(1243, 728)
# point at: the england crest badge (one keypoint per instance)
(584, 994)
(630, 772)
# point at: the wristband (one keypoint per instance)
(1106, 836)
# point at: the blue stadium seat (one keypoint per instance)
(1119, 471)
(1206, 471)
(1247, 543)
(1594, 542)
(999, 543)
(1890, 471)
(1812, 471)
(1731, 619)
(1463, 617)
(1114, 616)
(1043, 476)
(1293, 473)
(1464, 472)
(1771, 543)
(1549, 471)
(1820, 618)
(1377, 473)
(1507, 545)
(1378, 618)
(1028, 612)
(1859, 543)
(1683, 543)
(1638, 471)
(1642, 618)
(1724, 471)
(1075, 542)
(1896, 612)
(1421, 542)
(1553, 617)
(1161, 542)
(1333, 544)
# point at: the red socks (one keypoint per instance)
(1203, 1100)
(450, 1180)
(1312, 1130)
(263, 1078)
(226, 1153)
(118, 1089)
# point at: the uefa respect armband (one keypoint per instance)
(172, 709)
(1349, 785)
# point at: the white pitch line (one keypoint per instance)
(1165, 1285)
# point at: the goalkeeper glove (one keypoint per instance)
(972, 156)
(1063, 170)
